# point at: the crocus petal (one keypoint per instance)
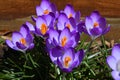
(69, 10)
(73, 23)
(50, 44)
(29, 39)
(49, 20)
(68, 52)
(116, 75)
(10, 44)
(40, 21)
(96, 31)
(116, 51)
(31, 46)
(88, 23)
(53, 7)
(65, 33)
(106, 30)
(95, 16)
(37, 31)
(16, 36)
(53, 34)
(20, 46)
(69, 43)
(33, 18)
(24, 30)
(55, 53)
(61, 21)
(62, 17)
(59, 62)
(102, 23)
(30, 26)
(77, 16)
(45, 4)
(39, 11)
(81, 27)
(112, 62)
(67, 70)
(79, 57)
(75, 38)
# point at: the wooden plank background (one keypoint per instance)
(13, 13)
(10, 9)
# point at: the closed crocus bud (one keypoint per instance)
(114, 62)
(21, 40)
(95, 25)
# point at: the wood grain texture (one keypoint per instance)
(10, 9)
(13, 13)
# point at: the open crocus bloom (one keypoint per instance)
(64, 21)
(22, 40)
(114, 62)
(66, 59)
(45, 8)
(63, 39)
(69, 11)
(95, 25)
(43, 23)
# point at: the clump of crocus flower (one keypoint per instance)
(95, 25)
(21, 40)
(61, 33)
(114, 61)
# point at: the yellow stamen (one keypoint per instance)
(63, 41)
(95, 24)
(23, 41)
(68, 25)
(70, 15)
(46, 11)
(66, 61)
(43, 28)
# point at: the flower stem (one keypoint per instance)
(64, 78)
(103, 42)
(88, 48)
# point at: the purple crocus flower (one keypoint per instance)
(43, 24)
(22, 40)
(64, 21)
(45, 8)
(114, 62)
(63, 39)
(95, 25)
(69, 11)
(66, 58)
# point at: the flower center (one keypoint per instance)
(43, 28)
(23, 41)
(66, 61)
(118, 66)
(68, 25)
(95, 24)
(70, 15)
(46, 11)
(63, 41)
